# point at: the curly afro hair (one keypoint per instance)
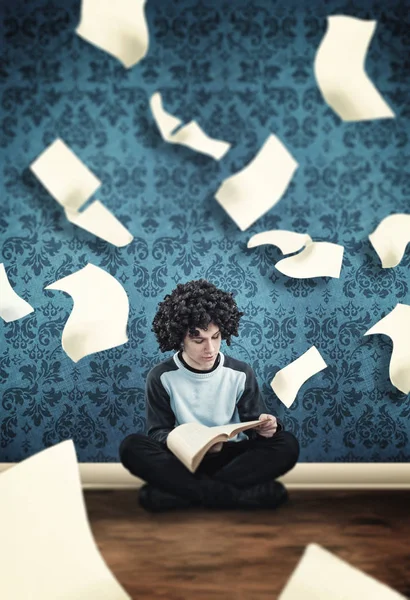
(194, 305)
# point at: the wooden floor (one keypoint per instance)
(199, 555)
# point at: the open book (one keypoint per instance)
(191, 441)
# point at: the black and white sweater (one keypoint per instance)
(177, 394)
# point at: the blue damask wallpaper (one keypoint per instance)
(243, 69)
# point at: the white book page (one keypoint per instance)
(321, 575)
(289, 380)
(48, 551)
(99, 317)
(118, 27)
(65, 176)
(12, 306)
(251, 192)
(397, 326)
(340, 73)
(189, 441)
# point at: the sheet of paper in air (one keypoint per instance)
(251, 192)
(48, 550)
(99, 317)
(390, 239)
(397, 326)
(117, 26)
(290, 379)
(71, 183)
(65, 176)
(12, 306)
(320, 575)
(287, 241)
(340, 74)
(101, 222)
(318, 259)
(190, 135)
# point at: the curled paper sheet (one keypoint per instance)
(65, 176)
(397, 326)
(320, 575)
(48, 549)
(340, 74)
(99, 317)
(116, 26)
(390, 239)
(287, 241)
(190, 135)
(101, 222)
(318, 259)
(290, 379)
(250, 193)
(12, 307)
(71, 183)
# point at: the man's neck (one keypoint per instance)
(186, 362)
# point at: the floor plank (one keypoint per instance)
(225, 554)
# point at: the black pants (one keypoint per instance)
(238, 465)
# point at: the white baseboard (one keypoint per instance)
(303, 476)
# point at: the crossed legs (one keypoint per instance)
(239, 465)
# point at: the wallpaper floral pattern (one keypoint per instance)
(242, 70)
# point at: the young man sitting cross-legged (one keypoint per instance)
(201, 384)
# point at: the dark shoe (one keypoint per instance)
(263, 495)
(154, 500)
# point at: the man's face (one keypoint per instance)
(200, 351)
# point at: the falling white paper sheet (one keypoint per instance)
(117, 26)
(12, 307)
(287, 241)
(340, 74)
(320, 575)
(71, 183)
(190, 135)
(397, 326)
(48, 550)
(101, 222)
(318, 259)
(290, 379)
(251, 192)
(99, 317)
(390, 239)
(65, 176)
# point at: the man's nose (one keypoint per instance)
(209, 346)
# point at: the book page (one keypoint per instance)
(396, 324)
(12, 306)
(321, 575)
(340, 73)
(47, 548)
(289, 380)
(190, 135)
(64, 175)
(99, 317)
(190, 441)
(254, 190)
(119, 28)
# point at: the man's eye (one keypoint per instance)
(198, 342)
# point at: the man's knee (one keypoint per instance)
(292, 447)
(288, 446)
(131, 443)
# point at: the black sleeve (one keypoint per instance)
(159, 415)
(250, 404)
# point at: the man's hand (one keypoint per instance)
(268, 426)
(216, 447)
